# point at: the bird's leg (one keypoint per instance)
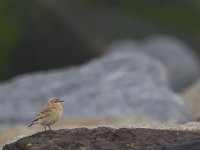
(45, 128)
(49, 127)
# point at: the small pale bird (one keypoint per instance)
(50, 113)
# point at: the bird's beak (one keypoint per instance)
(61, 101)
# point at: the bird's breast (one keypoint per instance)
(58, 110)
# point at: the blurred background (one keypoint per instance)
(41, 35)
(108, 59)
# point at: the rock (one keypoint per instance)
(191, 145)
(11, 135)
(182, 64)
(116, 85)
(103, 138)
(191, 97)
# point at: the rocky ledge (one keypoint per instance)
(108, 138)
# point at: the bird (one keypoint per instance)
(50, 113)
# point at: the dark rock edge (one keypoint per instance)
(108, 138)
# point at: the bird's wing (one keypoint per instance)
(46, 111)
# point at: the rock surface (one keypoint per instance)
(191, 145)
(103, 138)
(13, 134)
(116, 85)
(182, 64)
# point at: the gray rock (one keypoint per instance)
(118, 84)
(189, 145)
(182, 64)
(108, 139)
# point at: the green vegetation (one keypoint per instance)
(10, 29)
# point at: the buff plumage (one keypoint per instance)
(50, 113)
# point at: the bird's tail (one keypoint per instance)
(33, 122)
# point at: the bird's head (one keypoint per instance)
(55, 101)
